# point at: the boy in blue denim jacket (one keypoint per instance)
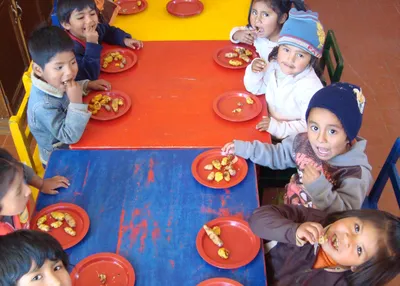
(80, 19)
(56, 115)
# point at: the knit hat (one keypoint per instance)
(346, 101)
(303, 30)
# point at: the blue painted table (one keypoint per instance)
(146, 206)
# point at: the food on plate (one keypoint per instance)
(211, 176)
(232, 172)
(139, 3)
(216, 164)
(231, 55)
(223, 253)
(239, 104)
(70, 220)
(235, 63)
(208, 167)
(70, 231)
(240, 50)
(44, 227)
(114, 57)
(323, 239)
(103, 278)
(224, 161)
(227, 176)
(234, 159)
(249, 100)
(214, 238)
(248, 53)
(115, 104)
(218, 176)
(245, 58)
(99, 101)
(237, 110)
(41, 220)
(216, 230)
(57, 215)
(56, 224)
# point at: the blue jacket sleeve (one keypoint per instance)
(111, 35)
(88, 61)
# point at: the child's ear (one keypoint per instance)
(283, 19)
(37, 69)
(66, 26)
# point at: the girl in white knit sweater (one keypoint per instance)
(265, 21)
(289, 80)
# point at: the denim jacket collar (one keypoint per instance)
(45, 87)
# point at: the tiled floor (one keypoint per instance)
(368, 32)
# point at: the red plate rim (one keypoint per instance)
(173, 2)
(213, 222)
(210, 282)
(128, 103)
(232, 46)
(141, 9)
(238, 178)
(106, 256)
(123, 51)
(76, 208)
(232, 119)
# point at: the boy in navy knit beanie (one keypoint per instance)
(333, 173)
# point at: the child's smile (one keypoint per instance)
(292, 60)
(81, 21)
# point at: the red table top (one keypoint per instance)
(172, 88)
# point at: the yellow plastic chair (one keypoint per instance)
(22, 135)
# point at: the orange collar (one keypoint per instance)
(324, 260)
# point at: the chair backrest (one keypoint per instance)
(389, 172)
(334, 71)
(21, 134)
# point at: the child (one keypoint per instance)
(32, 258)
(333, 170)
(56, 114)
(79, 18)
(289, 80)
(358, 247)
(16, 203)
(265, 21)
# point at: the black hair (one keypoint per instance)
(9, 169)
(66, 7)
(47, 41)
(19, 249)
(314, 62)
(280, 7)
(385, 265)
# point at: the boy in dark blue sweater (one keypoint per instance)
(80, 19)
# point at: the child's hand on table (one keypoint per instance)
(310, 231)
(263, 125)
(91, 34)
(133, 44)
(310, 174)
(245, 36)
(74, 91)
(99, 84)
(259, 65)
(229, 148)
(50, 185)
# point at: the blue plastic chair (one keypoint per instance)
(54, 18)
(389, 171)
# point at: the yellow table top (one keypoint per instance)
(214, 23)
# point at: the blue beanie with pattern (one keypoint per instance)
(346, 101)
(303, 30)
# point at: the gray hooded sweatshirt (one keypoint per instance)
(342, 185)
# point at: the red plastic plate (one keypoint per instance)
(80, 216)
(117, 269)
(129, 7)
(219, 56)
(219, 281)
(206, 158)
(103, 114)
(227, 102)
(185, 8)
(129, 55)
(237, 238)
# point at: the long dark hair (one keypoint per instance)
(385, 265)
(314, 62)
(280, 7)
(9, 169)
